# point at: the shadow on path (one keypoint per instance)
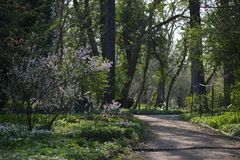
(175, 139)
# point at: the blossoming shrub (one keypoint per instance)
(55, 82)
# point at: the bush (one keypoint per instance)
(52, 84)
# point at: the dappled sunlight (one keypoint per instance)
(172, 137)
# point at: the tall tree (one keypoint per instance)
(110, 49)
(223, 24)
(229, 16)
(197, 70)
(22, 24)
(228, 72)
(102, 23)
(135, 28)
(133, 22)
(174, 77)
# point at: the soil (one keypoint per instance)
(174, 139)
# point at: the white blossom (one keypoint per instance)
(53, 79)
(112, 106)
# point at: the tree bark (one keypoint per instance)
(160, 93)
(144, 79)
(227, 65)
(228, 78)
(197, 70)
(132, 57)
(161, 85)
(29, 116)
(103, 20)
(110, 50)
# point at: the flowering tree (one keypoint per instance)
(54, 83)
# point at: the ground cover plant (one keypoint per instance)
(228, 122)
(85, 137)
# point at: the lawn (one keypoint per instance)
(83, 137)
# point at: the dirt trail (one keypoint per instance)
(173, 139)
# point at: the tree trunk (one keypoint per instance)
(176, 75)
(110, 50)
(132, 54)
(227, 86)
(227, 65)
(89, 27)
(133, 50)
(103, 20)
(144, 80)
(197, 70)
(132, 57)
(29, 116)
(161, 85)
(160, 92)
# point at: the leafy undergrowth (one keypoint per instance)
(92, 137)
(228, 122)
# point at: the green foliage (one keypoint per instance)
(233, 129)
(88, 137)
(228, 121)
(193, 35)
(95, 84)
(192, 103)
(121, 76)
(131, 10)
(236, 97)
(188, 116)
(188, 102)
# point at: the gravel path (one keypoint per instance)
(173, 139)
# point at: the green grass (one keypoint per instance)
(92, 137)
(228, 122)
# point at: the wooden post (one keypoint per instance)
(192, 103)
(212, 99)
(200, 107)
